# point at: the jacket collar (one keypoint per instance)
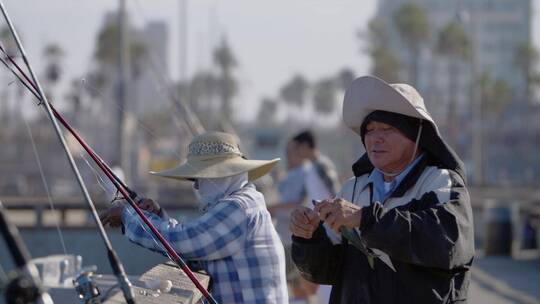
(363, 166)
(411, 178)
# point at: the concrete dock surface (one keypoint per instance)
(504, 280)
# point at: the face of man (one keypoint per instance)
(303, 150)
(293, 157)
(388, 149)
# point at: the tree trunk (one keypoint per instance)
(415, 60)
(452, 119)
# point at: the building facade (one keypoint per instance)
(496, 28)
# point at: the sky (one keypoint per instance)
(272, 40)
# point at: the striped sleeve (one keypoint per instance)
(217, 234)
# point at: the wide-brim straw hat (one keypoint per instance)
(217, 155)
(368, 93)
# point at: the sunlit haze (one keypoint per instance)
(271, 39)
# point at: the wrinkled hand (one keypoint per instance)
(112, 216)
(304, 222)
(339, 212)
(149, 205)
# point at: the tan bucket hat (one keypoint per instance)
(368, 93)
(217, 155)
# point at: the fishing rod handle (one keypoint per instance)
(120, 273)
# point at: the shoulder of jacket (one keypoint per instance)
(435, 177)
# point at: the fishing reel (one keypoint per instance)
(21, 289)
(86, 288)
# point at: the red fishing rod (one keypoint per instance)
(127, 193)
(116, 265)
(61, 119)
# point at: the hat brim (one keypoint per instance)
(367, 94)
(219, 167)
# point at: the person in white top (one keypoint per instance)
(310, 176)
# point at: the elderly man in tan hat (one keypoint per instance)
(405, 218)
(234, 239)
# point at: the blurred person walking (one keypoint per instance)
(405, 218)
(319, 167)
(310, 176)
(234, 239)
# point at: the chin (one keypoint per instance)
(378, 162)
(382, 168)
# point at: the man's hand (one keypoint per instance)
(149, 205)
(339, 212)
(112, 216)
(304, 222)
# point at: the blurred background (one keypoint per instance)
(139, 78)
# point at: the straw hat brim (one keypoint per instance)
(218, 167)
(367, 94)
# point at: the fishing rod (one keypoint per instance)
(59, 117)
(26, 286)
(130, 196)
(117, 182)
(116, 265)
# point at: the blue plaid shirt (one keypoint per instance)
(234, 241)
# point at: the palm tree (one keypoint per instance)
(294, 92)
(412, 24)
(344, 78)
(453, 43)
(526, 59)
(226, 61)
(201, 92)
(384, 63)
(53, 54)
(495, 95)
(324, 95)
(9, 44)
(108, 76)
(106, 53)
(74, 97)
(267, 111)
(4, 107)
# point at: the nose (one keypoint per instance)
(376, 136)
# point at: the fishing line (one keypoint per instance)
(19, 77)
(161, 78)
(145, 128)
(132, 213)
(113, 258)
(111, 176)
(83, 82)
(45, 184)
(98, 176)
(115, 103)
(166, 85)
(115, 197)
